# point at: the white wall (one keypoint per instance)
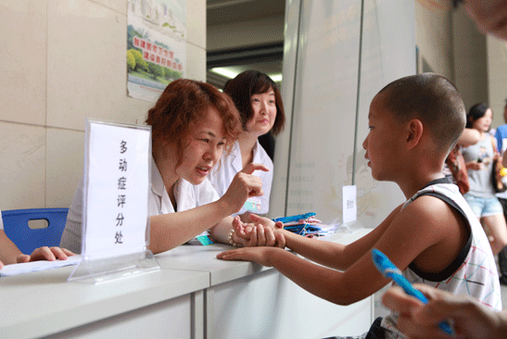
(433, 38)
(63, 61)
(497, 80)
(451, 45)
(470, 66)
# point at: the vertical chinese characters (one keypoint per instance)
(122, 186)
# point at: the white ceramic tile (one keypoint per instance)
(22, 166)
(64, 168)
(117, 5)
(86, 63)
(196, 22)
(134, 111)
(23, 65)
(196, 62)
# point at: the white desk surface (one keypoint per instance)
(40, 303)
(203, 258)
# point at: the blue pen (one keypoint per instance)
(294, 217)
(389, 270)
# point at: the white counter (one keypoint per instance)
(194, 295)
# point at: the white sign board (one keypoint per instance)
(349, 203)
(117, 179)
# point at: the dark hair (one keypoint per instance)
(434, 100)
(183, 105)
(248, 83)
(476, 112)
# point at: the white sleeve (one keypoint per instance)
(267, 178)
(206, 193)
(72, 234)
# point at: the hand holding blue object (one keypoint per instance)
(389, 270)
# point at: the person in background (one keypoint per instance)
(10, 253)
(471, 319)
(433, 237)
(501, 132)
(481, 196)
(260, 106)
(193, 123)
(469, 137)
(501, 139)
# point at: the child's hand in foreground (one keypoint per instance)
(259, 255)
(261, 232)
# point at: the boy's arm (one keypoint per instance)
(409, 235)
(343, 288)
(336, 255)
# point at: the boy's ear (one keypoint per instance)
(415, 130)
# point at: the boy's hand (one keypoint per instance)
(265, 221)
(259, 255)
(261, 234)
(243, 186)
(45, 253)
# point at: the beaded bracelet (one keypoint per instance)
(230, 240)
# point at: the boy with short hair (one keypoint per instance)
(434, 237)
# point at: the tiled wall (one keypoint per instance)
(60, 62)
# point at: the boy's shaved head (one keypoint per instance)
(431, 98)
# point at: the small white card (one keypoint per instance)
(253, 205)
(117, 177)
(349, 203)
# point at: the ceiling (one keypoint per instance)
(267, 59)
(229, 11)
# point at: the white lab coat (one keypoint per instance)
(188, 196)
(222, 174)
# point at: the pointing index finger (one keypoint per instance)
(250, 168)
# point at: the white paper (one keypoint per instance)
(116, 191)
(34, 266)
(349, 203)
